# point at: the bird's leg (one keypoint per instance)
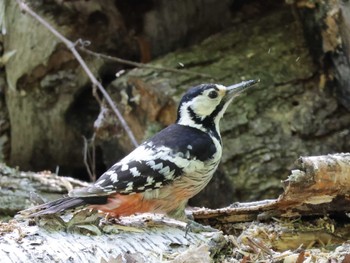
(195, 227)
(191, 225)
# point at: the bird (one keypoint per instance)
(165, 171)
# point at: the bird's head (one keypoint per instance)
(203, 106)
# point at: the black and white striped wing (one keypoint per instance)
(157, 162)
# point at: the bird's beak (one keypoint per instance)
(234, 90)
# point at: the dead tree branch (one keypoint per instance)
(16, 186)
(89, 152)
(142, 65)
(319, 185)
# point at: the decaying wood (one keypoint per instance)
(319, 185)
(16, 186)
(327, 26)
(83, 238)
(297, 241)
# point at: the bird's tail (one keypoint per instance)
(63, 204)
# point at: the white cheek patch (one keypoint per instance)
(203, 106)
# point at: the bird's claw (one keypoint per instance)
(194, 227)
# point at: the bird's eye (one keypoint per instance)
(213, 94)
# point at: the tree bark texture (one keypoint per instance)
(294, 111)
(317, 186)
(316, 190)
(49, 97)
(327, 27)
(16, 188)
(143, 242)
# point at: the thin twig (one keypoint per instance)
(92, 78)
(85, 158)
(89, 161)
(93, 157)
(142, 65)
(260, 245)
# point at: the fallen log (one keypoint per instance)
(87, 237)
(134, 239)
(16, 186)
(319, 185)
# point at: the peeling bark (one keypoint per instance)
(16, 188)
(319, 185)
(147, 241)
(327, 31)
